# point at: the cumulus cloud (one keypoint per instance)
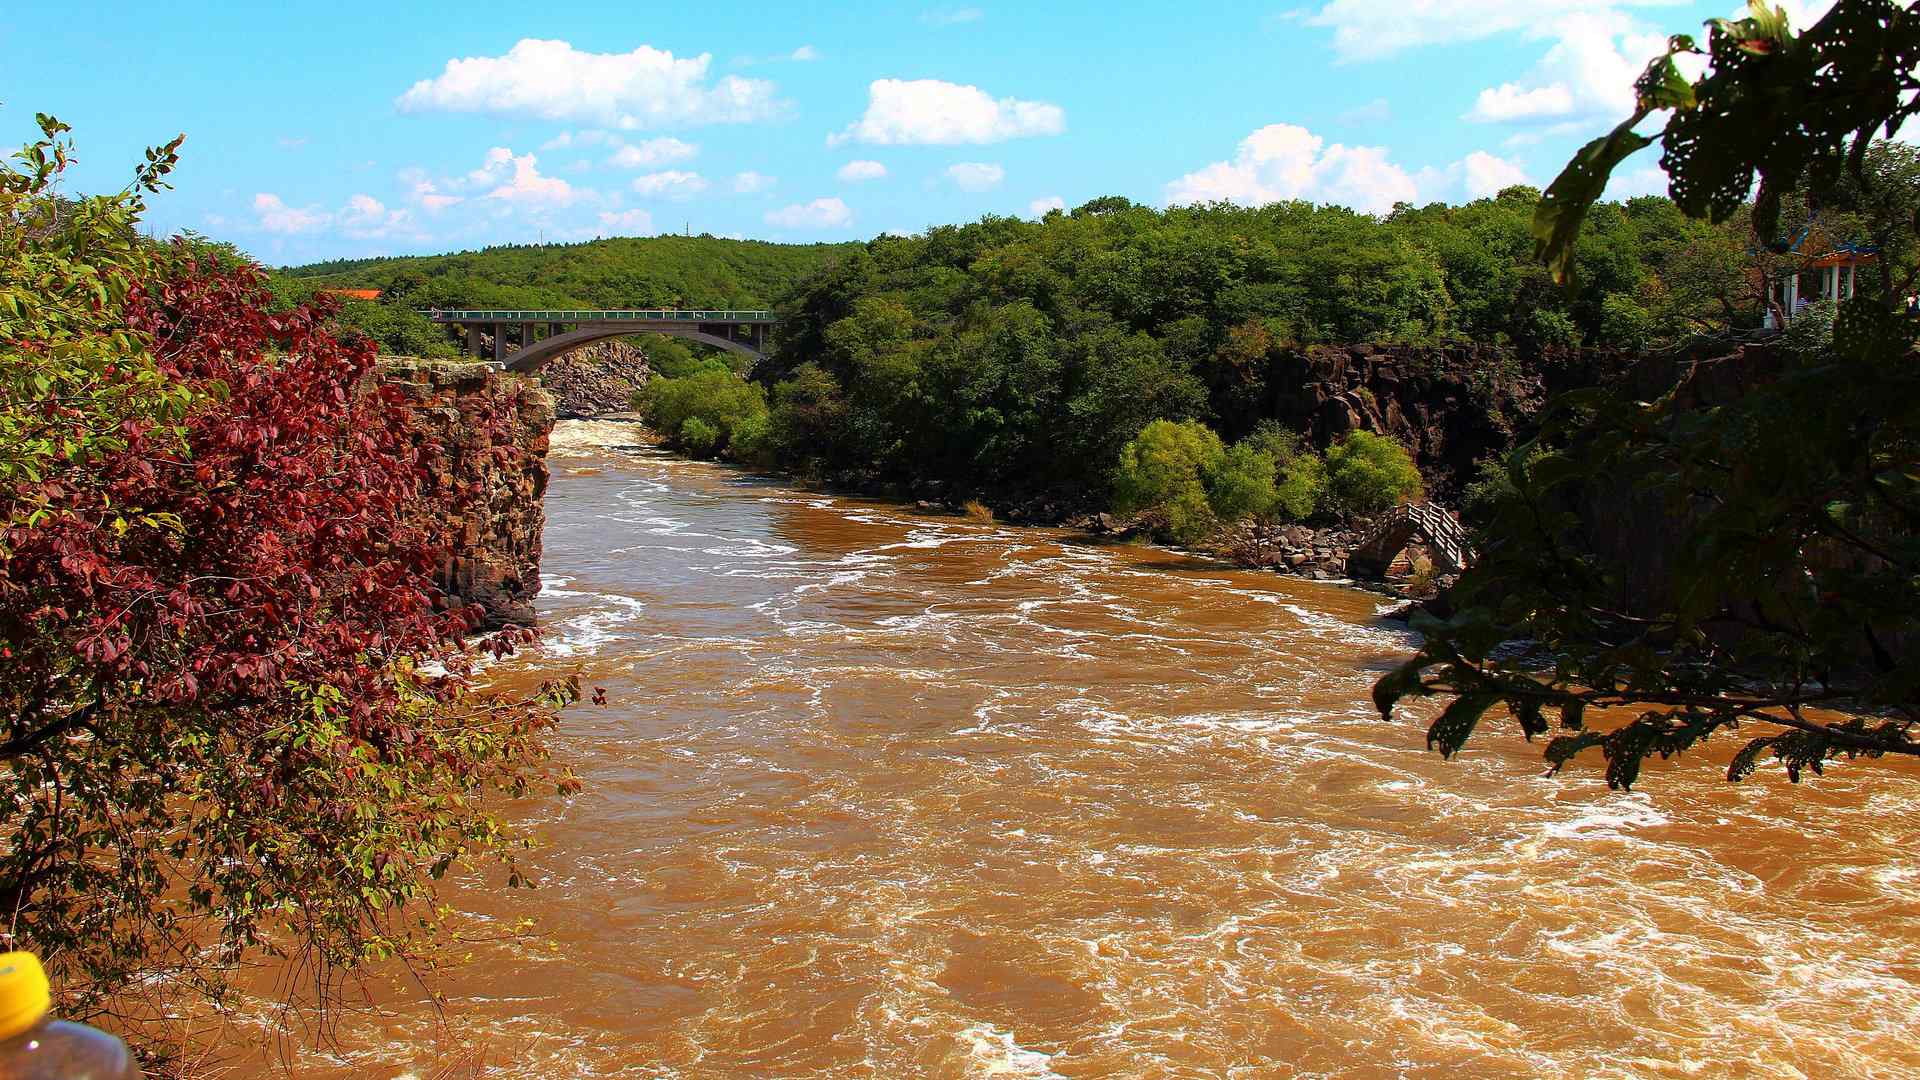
(1376, 29)
(275, 216)
(976, 175)
(748, 182)
(517, 179)
(671, 184)
(934, 113)
(660, 151)
(803, 54)
(552, 80)
(366, 218)
(858, 171)
(1587, 73)
(1040, 207)
(1487, 174)
(1284, 161)
(627, 223)
(818, 214)
(362, 217)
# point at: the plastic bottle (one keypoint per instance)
(34, 1046)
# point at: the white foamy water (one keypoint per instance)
(886, 795)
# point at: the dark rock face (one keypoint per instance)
(490, 429)
(595, 379)
(1449, 405)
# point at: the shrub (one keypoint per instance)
(1300, 473)
(975, 510)
(1240, 483)
(698, 437)
(718, 398)
(1810, 334)
(751, 442)
(1368, 473)
(1162, 474)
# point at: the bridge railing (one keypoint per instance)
(726, 315)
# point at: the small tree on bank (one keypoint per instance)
(217, 617)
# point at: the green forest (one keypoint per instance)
(624, 272)
(1016, 356)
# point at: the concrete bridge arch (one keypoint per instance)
(534, 356)
(545, 334)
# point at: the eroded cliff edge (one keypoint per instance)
(487, 432)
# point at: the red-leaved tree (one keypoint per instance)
(235, 713)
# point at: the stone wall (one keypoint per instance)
(488, 430)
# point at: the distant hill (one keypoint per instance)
(660, 271)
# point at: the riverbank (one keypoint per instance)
(1315, 553)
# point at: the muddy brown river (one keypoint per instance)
(882, 795)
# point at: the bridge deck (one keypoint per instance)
(576, 316)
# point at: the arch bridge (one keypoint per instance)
(545, 334)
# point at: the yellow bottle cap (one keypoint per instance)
(23, 993)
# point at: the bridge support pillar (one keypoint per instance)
(499, 343)
(473, 340)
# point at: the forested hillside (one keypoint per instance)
(626, 272)
(1008, 355)
(688, 271)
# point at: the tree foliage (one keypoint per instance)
(1773, 578)
(1011, 354)
(1368, 473)
(226, 733)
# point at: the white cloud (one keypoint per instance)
(803, 54)
(1283, 161)
(931, 112)
(517, 179)
(660, 151)
(552, 80)
(1646, 180)
(976, 175)
(858, 171)
(1587, 73)
(818, 214)
(363, 217)
(425, 192)
(671, 184)
(1040, 207)
(276, 216)
(1487, 174)
(627, 223)
(748, 182)
(1376, 29)
(366, 218)
(293, 142)
(952, 16)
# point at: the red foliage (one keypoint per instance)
(283, 547)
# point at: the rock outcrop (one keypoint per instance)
(1450, 405)
(596, 379)
(488, 432)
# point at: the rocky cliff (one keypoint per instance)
(595, 379)
(487, 431)
(1450, 405)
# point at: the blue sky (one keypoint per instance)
(342, 129)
